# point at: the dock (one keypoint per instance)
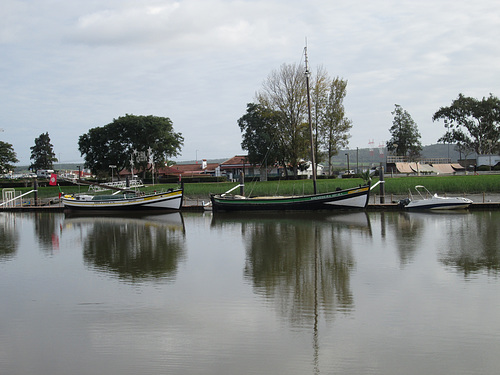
(200, 207)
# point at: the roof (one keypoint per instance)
(238, 160)
(457, 167)
(417, 167)
(444, 168)
(404, 168)
(169, 170)
(193, 168)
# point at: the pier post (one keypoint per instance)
(35, 187)
(382, 185)
(242, 183)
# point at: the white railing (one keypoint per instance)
(9, 197)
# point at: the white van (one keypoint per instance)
(44, 173)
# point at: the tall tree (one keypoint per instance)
(335, 126)
(473, 124)
(284, 91)
(140, 138)
(42, 153)
(320, 87)
(7, 157)
(259, 128)
(405, 137)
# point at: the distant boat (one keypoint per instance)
(356, 197)
(126, 200)
(429, 201)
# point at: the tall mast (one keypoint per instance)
(313, 162)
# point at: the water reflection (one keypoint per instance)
(300, 261)
(8, 236)
(473, 243)
(408, 234)
(136, 248)
(259, 293)
(48, 231)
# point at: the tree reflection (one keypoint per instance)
(47, 231)
(8, 236)
(472, 242)
(409, 234)
(136, 249)
(301, 261)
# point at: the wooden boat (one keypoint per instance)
(428, 201)
(126, 200)
(341, 199)
(353, 198)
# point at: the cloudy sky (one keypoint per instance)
(69, 66)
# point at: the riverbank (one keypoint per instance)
(396, 185)
(194, 205)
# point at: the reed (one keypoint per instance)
(463, 184)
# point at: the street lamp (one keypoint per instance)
(112, 168)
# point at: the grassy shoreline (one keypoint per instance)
(461, 184)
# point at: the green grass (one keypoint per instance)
(469, 184)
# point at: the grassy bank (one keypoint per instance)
(469, 184)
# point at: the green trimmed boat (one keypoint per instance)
(353, 198)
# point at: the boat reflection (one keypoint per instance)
(300, 261)
(465, 242)
(134, 247)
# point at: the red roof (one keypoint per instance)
(187, 169)
(238, 160)
(169, 170)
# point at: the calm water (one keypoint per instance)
(377, 293)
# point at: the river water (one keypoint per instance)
(352, 293)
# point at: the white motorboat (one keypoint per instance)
(430, 201)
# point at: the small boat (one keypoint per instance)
(352, 198)
(126, 200)
(429, 201)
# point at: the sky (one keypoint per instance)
(69, 66)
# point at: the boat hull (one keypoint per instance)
(355, 198)
(171, 200)
(439, 203)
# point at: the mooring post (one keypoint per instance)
(35, 187)
(382, 184)
(242, 183)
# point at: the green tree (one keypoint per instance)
(319, 90)
(405, 137)
(335, 125)
(130, 138)
(284, 92)
(259, 128)
(472, 124)
(42, 153)
(7, 157)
